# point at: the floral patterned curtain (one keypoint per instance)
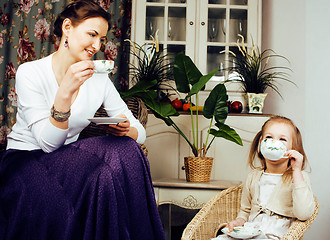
(26, 34)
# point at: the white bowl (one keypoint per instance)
(272, 149)
(103, 66)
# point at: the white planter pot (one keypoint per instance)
(256, 102)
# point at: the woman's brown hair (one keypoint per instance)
(77, 12)
(297, 144)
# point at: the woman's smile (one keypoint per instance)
(90, 53)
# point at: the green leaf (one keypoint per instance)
(226, 132)
(185, 72)
(216, 104)
(161, 110)
(168, 121)
(201, 83)
(139, 87)
(179, 73)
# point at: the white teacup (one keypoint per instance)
(272, 149)
(103, 66)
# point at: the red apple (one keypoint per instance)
(177, 104)
(236, 107)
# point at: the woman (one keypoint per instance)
(55, 187)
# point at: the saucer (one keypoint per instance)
(107, 120)
(242, 232)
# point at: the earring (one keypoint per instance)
(66, 43)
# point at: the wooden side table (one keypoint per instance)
(178, 201)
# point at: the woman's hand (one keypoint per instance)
(120, 129)
(69, 85)
(235, 223)
(76, 75)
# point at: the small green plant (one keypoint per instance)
(252, 70)
(150, 69)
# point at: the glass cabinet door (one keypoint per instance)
(172, 20)
(201, 28)
(222, 22)
(169, 19)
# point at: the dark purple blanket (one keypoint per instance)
(96, 188)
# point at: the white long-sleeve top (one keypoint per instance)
(36, 87)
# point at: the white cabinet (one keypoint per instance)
(166, 148)
(202, 28)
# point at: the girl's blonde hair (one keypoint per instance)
(297, 145)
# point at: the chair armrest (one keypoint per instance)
(298, 228)
(221, 209)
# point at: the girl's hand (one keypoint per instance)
(235, 223)
(296, 160)
(120, 129)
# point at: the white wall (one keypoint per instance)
(284, 32)
(299, 30)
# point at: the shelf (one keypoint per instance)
(229, 114)
(181, 183)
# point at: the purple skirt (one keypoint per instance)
(96, 188)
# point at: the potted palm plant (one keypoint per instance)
(252, 70)
(190, 81)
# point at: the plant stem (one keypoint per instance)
(193, 148)
(192, 123)
(208, 134)
(210, 144)
(197, 144)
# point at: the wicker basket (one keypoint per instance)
(198, 169)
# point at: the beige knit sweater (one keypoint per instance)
(293, 200)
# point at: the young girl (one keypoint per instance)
(279, 191)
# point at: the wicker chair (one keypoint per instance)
(138, 109)
(223, 208)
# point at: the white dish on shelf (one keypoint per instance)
(103, 66)
(242, 232)
(107, 120)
